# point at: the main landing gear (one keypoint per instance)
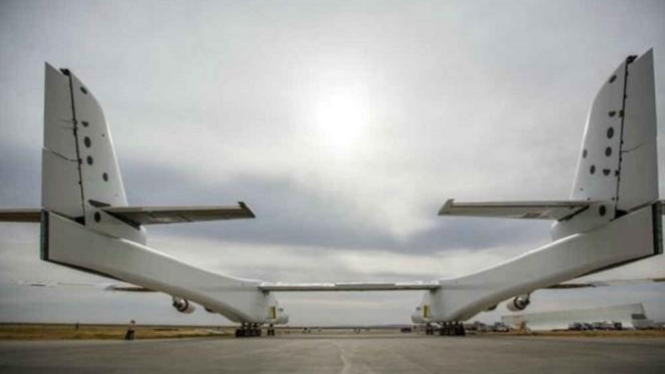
(452, 329)
(446, 329)
(248, 330)
(271, 330)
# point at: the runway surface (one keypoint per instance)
(339, 354)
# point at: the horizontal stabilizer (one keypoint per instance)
(618, 282)
(142, 215)
(20, 215)
(310, 287)
(552, 210)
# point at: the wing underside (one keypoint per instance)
(319, 287)
(547, 210)
(144, 215)
(162, 215)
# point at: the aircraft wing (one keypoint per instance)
(355, 286)
(552, 210)
(20, 215)
(142, 215)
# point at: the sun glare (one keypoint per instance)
(341, 120)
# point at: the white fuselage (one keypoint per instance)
(239, 300)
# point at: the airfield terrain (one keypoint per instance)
(341, 352)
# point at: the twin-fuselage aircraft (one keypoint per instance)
(612, 218)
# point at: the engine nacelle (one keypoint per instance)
(519, 303)
(183, 306)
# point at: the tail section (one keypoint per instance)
(617, 168)
(80, 172)
(62, 191)
(638, 168)
(614, 215)
(87, 224)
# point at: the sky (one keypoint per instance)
(344, 125)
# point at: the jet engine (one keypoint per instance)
(183, 306)
(519, 303)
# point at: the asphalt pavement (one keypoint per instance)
(339, 354)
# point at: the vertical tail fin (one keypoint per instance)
(618, 164)
(638, 167)
(62, 191)
(80, 171)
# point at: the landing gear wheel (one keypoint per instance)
(271, 331)
(455, 329)
(241, 332)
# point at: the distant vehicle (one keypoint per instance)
(605, 325)
(500, 327)
(575, 326)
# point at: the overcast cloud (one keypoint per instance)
(343, 124)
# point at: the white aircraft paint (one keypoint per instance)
(86, 223)
(618, 177)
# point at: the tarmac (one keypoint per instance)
(339, 354)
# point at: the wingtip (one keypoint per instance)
(247, 209)
(446, 207)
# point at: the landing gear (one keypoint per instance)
(240, 332)
(452, 329)
(429, 330)
(248, 330)
(271, 330)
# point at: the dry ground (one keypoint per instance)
(58, 332)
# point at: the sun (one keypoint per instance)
(341, 121)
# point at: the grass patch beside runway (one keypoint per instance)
(111, 332)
